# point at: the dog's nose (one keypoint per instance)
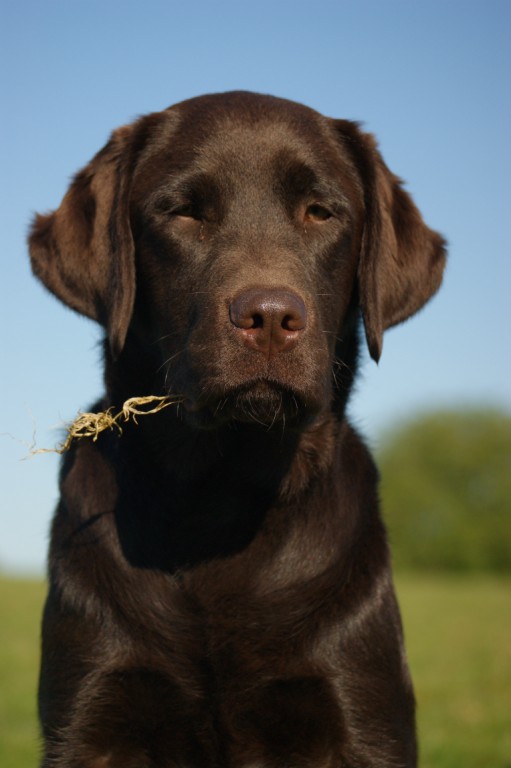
(270, 320)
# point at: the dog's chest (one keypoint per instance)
(234, 678)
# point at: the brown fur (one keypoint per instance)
(220, 588)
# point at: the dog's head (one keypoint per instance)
(236, 235)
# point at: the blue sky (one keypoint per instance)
(430, 79)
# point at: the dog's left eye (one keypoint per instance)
(317, 212)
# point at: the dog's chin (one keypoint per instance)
(263, 403)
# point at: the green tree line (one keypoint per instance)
(446, 491)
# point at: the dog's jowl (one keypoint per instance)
(220, 588)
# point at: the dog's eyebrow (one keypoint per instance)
(328, 191)
(190, 187)
(297, 180)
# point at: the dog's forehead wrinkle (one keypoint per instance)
(227, 144)
(269, 149)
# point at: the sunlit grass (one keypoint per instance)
(20, 610)
(458, 633)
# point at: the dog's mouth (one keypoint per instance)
(263, 402)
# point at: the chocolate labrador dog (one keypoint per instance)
(220, 587)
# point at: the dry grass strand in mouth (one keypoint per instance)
(92, 424)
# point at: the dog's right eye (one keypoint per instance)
(171, 209)
(186, 211)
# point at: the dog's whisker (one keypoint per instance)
(167, 362)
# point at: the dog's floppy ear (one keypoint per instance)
(401, 260)
(83, 252)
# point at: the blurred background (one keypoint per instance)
(431, 81)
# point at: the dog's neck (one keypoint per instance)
(223, 481)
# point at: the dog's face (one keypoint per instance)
(246, 238)
(234, 234)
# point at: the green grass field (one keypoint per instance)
(458, 636)
(459, 642)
